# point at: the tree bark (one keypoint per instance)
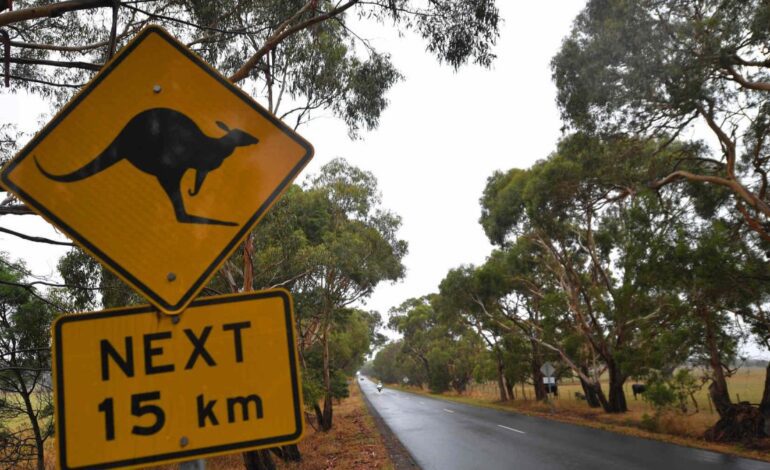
(509, 388)
(328, 413)
(501, 380)
(291, 453)
(258, 460)
(617, 396)
(32, 416)
(537, 376)
(718, 390)
(597, 388)
(590, 392)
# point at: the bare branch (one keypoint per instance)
(57, 63)
(50, 11)
(35, 239)
(55, 47)
(760, 86)
(18, 209)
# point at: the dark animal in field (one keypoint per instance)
(638, 389)
(165, 143)
(580, 396)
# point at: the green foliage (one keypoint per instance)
(443, 355)
(386, 366)
(330, 243)
(627, 65)
(657, 70)
(672, 393)
(90, 286)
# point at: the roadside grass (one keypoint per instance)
(353, 443)
(686, 430)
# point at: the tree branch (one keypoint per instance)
(57, 63)
(283, 31)
(35, 239)
(760, 86)
(50, 11)
(18, 209)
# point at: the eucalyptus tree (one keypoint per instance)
(386, 365)
(329, 242)
(598, 236)
(458, 301)
(520, 295)
(447, 351)
(722, 279)
(661, 69)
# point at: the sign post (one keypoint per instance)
(549, 380)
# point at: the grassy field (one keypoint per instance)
(746, 385)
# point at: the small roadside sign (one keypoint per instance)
(134, 387)
(547, 369)
(159, 168)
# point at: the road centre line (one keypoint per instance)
(448, 411)
(511, 429)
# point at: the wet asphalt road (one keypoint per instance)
(445, 435)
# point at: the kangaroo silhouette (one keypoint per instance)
(165, 143)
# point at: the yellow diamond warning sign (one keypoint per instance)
(158, 168)
(134, 387)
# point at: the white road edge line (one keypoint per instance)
(510, 429)
(448, 411)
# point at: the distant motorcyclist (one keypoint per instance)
(379, 386)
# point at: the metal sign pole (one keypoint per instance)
(199, 464)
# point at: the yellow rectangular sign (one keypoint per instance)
(135, 387)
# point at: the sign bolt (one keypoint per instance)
(175, 319)
(171, 277)
(183, 441)
(156, 89)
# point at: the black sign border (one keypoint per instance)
(144, 309)
(151, 295)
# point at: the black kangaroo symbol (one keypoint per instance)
(165, 143)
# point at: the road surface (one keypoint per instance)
(446, 435)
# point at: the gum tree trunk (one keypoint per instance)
(537, 376)
(590, 392)
(617, 396)
(504, 396)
